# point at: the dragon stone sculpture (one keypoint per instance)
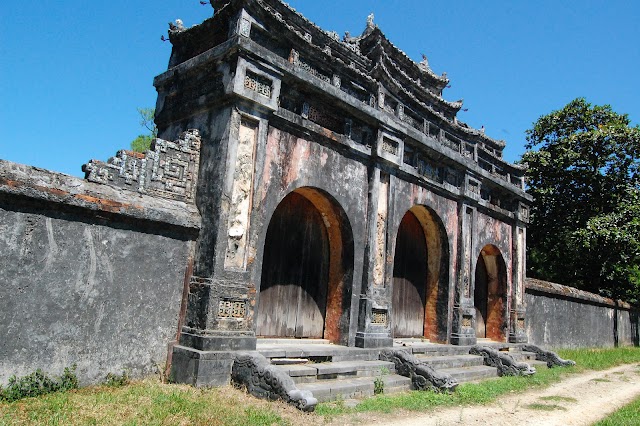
(551, 358)
(423, 377)
(263, 380)
(506, 365)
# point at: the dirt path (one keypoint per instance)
(579, 400)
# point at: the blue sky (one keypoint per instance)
(73, 72)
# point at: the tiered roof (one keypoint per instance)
(370, 59)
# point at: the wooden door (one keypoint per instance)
(293, 291)
(409, 279)
(480, 296)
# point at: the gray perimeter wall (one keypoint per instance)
(89, 275)
(564, 317)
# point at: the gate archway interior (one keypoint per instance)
(306, 268)
(490, 294)
(420, 294)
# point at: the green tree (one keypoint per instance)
(143, 142)
(583, 170)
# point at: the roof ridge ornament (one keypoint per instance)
(424, 63)
(178, 27)
(370, 24)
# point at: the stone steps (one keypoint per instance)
(358, 387)
(523, 356)
(471, 373)
(317, 352)
(450, 361)
(333, 372)
(435, 349)
(311, 372)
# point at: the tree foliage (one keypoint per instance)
(584, 174)
(143, 142)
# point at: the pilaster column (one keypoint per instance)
(517, 331)
(374, 326)
(464, 313)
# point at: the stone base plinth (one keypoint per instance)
(201, 368)
(373, 340)
(463, 339)
(219, 341)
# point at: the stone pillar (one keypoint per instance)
(374, 326)
(464, 313)
(517, 330)
(221, 299)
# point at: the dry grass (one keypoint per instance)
(149, 402)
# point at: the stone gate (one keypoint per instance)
(303, 185)
(340, 196)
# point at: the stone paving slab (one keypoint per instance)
(289, 361)
(333, 370)
(298, 370)
(331, 390)
(278, 341)
(302, 350)
(435, 349)
(469, 374)
(340, 367)
(451, 361)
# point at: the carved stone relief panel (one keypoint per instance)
(240, 206)
(168, 169)
(228, 308)
(380, 243)
(467, 321)
(389, 146)
(379, 317)
(427, 168)
(259, 84)
(467, 227)
(298, 62)
(323, 116)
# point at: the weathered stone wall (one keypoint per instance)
(91, 275)
(564, 317)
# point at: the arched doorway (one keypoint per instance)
(420, 292)
(490, 295)
(307, 265)
(409, 278)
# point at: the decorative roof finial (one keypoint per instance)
(370, 23)
(425, 62)
(177, 27)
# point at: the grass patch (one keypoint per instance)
(38, 383)
(558, 398)
(466, 394)
(601, 359)
(627, 415)
(116, 381)
(544, 407)
(148, 402)
(600, 380)
(488, 391)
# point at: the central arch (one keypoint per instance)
(307, 268)
(420, 294)
(490, 294)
